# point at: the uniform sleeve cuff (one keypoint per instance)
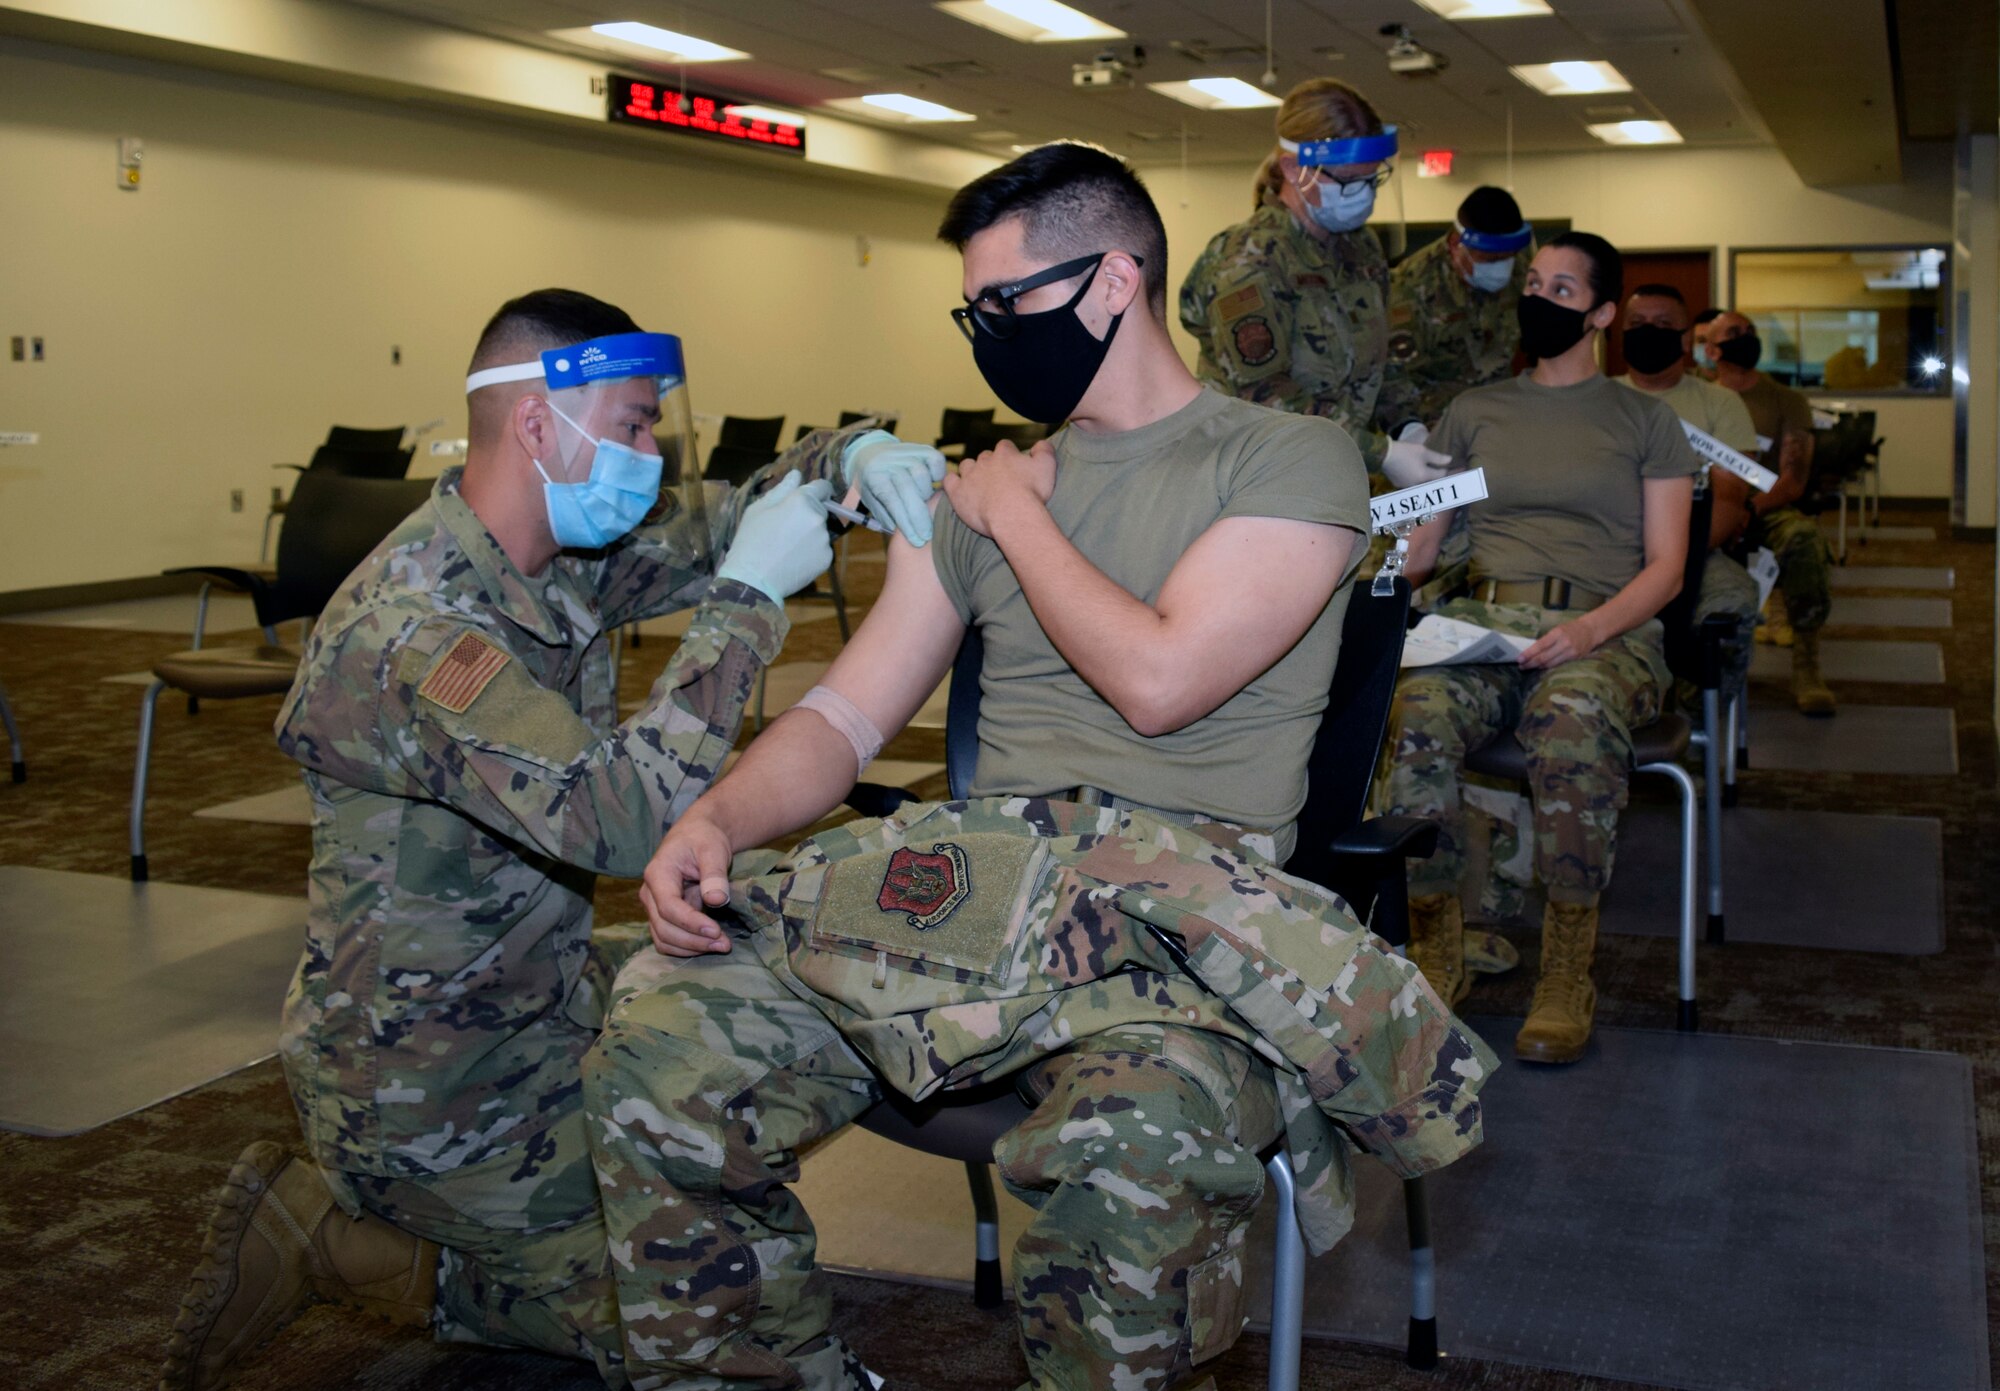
(747, 614)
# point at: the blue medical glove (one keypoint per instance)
(896, 479)
(782, 543)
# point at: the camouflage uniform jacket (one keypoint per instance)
(1284, 319)
(1444, 336)
(957, 942)
(459, 729)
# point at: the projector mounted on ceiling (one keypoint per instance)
(1108, 69)
(1407, 57)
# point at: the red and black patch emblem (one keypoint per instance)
(1254, 341)
(930, 888)
(1402, 347)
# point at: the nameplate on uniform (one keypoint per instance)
(1410, 505)
(1714, 451)
(463, 672)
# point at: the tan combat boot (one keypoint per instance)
(1558, 1024)
(1437, 945)
(1776, 629)
(1809, 689)
(275, 1244)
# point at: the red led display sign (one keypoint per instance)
(664, 107)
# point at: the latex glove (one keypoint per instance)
(896, 479)
(1407, 463)
(782, 543)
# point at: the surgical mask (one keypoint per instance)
(1547, 328)
(1740, 352)
(1342, 208)
(1042, 371)
(1490, 276)
(622, 488)
(1652, 348)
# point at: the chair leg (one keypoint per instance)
(1685, 1019)
(1288, 1277)
(1737, 757)
(986, 1288)
(139, 768)
(1422, 1353)
(1712, 755)
(19, 754)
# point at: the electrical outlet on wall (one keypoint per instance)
(236, 499)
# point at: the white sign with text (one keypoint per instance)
(1714, 451)
(1408, 506)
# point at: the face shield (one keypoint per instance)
(622, 428)
(1338, 178)
(1493, 276)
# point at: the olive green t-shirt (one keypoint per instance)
(1133, 503)
(1564, 467)
(1714, 410)
(1772, 405)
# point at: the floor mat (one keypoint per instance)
(1695, 1211)
(1859, 576)
(1850, 659)
(1874, 611)
(1790, 878)
(120, 995)
(1914, 740)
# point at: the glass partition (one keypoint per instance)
(1849, 319)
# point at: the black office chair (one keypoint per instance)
(981, 437)
(745, 432)
(357, 453)
(367, 441)
(735, 464)
(336, 521)
(882, 422)
(1695, 655)
(954, 424)
(1362, 860)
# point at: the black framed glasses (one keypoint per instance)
(1312, 177)
(999, 321)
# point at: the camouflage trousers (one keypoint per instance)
(524, 1256)
(1574, 720)
(710, 1078)
(1805, 564)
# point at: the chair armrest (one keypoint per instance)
(875, 799)
(295, 468)
(1389, 841)
(241, 577)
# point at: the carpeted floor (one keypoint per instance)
(97, 1232)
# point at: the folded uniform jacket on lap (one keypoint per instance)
(959, 941)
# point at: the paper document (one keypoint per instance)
(1763, 568)
(1440, 641)
(1714, 451)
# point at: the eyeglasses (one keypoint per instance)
(1312, 177)
(999, 321)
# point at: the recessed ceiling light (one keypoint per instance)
(1573, 79)
(1216, 93)
(899, 106)
(682, 48)
(1031, 21)
(1485, 9)
(1637, 133)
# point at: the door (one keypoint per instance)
(1690, 272)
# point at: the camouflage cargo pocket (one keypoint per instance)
(1215, 1302)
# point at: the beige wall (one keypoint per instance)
(1662, 200)
(284, 240)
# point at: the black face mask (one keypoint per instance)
(1652, 348)
(1547, 329)
(1740, 352)
(1042, 371)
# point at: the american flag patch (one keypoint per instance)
(462, 673)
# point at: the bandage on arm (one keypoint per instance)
(848, 722)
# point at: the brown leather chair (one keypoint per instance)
(335, 521)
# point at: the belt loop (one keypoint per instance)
(1555, 593)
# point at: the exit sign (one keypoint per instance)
(1434, 164)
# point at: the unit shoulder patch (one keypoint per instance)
(928, 887)
(1255, 343)
(463, 672)
(1402, 347)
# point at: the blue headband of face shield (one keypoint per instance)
(1361, 149)
(1493, 242)
(610, 358)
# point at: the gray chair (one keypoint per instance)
(18, 753)
(335, 521)
(1363, 861)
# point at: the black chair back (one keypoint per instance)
(952, 428)
(333, 522)
(805, 430)
(743, 432)
(1682, 633)
(982, 437)
(882, 422)
(361, 463)
(365, 441)
(734, 464)
(1349, 741)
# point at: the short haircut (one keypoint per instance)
(1653, 289)
(1490, 209)
(1073, 200)
(544, 319)
(1607, 267)
(1707, 316)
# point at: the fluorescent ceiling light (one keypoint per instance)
(1637, 133)
(1216, 93)
(765, 113)
(1031, 21)
(1485, 9)
(900, 106)
(1572, 79)
(682, 48)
